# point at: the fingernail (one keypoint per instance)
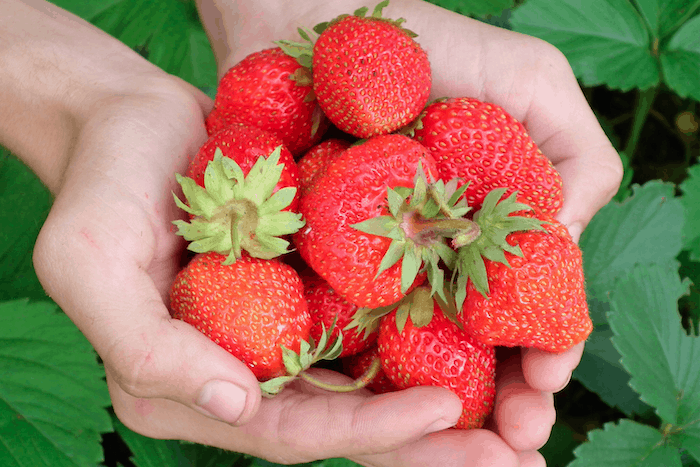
(222, 400)
(575, 230)
(565, 384)
(439, 425)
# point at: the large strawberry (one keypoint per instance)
(270, 90)
(242, 194)
(440, 354)
(250, 308)
(369, 74)
(365, 233)
(525, 287)
(315, 159)
(328, 309)
(482, 144)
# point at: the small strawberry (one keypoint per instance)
(440, 354)
(328, 309)
(368, 232)
(315, 159)
(369, 74)
(270, 90)
(357, 365)
(482, 144)
(526, 286)
(241, 194)
(250, 308)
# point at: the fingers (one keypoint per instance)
(531, 459)
(548, 371)
(522, 416)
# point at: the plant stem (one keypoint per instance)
(360, 382)
(645, 100)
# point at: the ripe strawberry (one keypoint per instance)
(537, 299)
(369, 75)
(440, 354)
(245, 144)
(326, 308)
(270, 90)
(357, 365)
(241, 194)
(315, 159)
(482, 144)
(250, 308)
(362, 235)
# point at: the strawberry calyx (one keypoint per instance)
(420, 221)
(362, 13)
(234, 212)
(496, 221)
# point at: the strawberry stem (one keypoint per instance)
(425, 231)
(359, 383)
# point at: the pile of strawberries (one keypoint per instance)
(335, 213)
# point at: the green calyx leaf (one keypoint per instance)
(236, 212)
(309, 353)
(495, 222)
(302, 51)
(419, 222)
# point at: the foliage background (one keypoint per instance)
(634, 399)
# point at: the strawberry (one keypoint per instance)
(270, 90)
(250, 308)
(362, 234)
(241, 194)
(536, 297)
(439, 354)
(369, 74)
(357, 365)
(315, 159)
(482, 144)
(328, 309)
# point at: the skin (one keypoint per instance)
(105, 131)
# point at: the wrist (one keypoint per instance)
(57, 70)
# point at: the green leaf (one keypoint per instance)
(663, 16)
(476, 7)
(690, 200)
(644, 229)
(627, 444)
(605, 41)
(680, 61)
(167, 32)
(655, 348)
(52, 390)
(19, 187)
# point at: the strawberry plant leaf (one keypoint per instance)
(680, 61)
(644, 229)
(20, 227)
(605, 41)
(691, 203)
(663, 16)
(478, 8)
(52, 390)
(166, 32)
(655, 347)
(626, 444)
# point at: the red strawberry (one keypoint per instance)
(250, 308)
(242, 193)
(357, 365)
(270, 90)
(346, 210)
(537, 299)
(315, 159)
(440, 354)
(482, 144)
(327, 307)
(369, 75)
(245, 144)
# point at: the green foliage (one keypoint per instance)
(52, 392)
